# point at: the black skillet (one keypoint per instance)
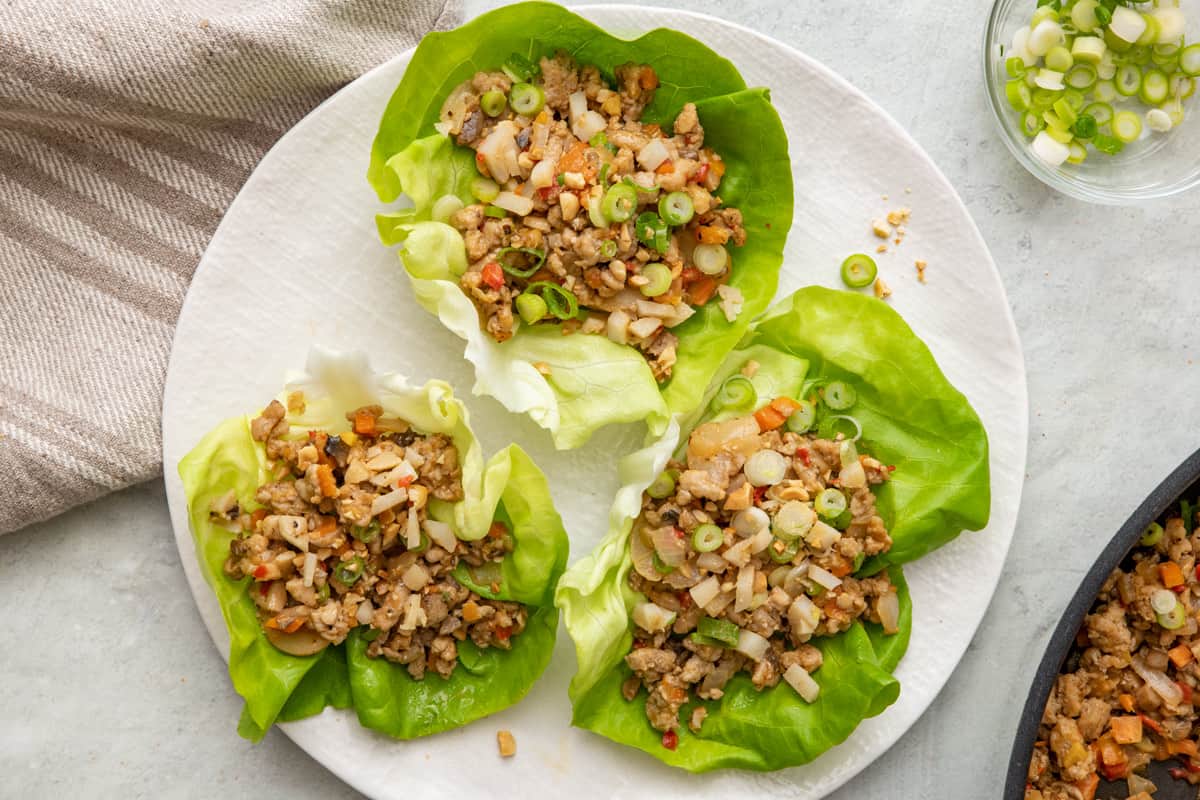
(1183, 483)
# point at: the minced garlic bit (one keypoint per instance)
(508, 745)
(921, 265)
(882, 290)
(881, 229)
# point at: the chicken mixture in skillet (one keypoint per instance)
(586, 215)
(1125, 697)
(343, 540)
(745, 552)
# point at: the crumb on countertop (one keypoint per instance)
(882, 290)
(507, 744)
(921, 265)
(881, 228)
(881, 249)
(899, 216)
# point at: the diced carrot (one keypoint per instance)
(1150, 723)
(325, 481)
(701, 291)
(1126, 701)
(768, 418)
(710, 234)
(492, 275)
(497, 530)
(257, 516)
(652, 130)
(272, 624)
(470, 612)
(1111, 753)
(648, 79)
(691, 275)
(1126, 730)
(576, 160)
(717, 167)
(842, 567)
(1171, 574)
(1186, 689)
(1180, 655)
(364, 423)
(699, 175)
(665, 168)
(784, 405)
(328, 525)
(1088, 786)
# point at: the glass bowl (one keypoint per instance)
(1156, 165)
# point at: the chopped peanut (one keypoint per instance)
(508, 745)
(921, 265)
(882, 290)
(881, 229)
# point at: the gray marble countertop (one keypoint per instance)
(110, 686)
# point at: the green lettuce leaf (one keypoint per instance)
(592, 382)
(508, 487)
(911, 417)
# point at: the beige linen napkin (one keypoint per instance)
(126, 128)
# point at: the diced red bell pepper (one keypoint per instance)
(493, 276)
(670, 740)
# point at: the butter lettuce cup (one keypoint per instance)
(598, 218)
(748, 605)
(365, 555)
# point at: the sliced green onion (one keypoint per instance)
(707, 538)
(348, 572)
(859, 270)
(619, 202)
(1085, 126)
(830, 503)
(1088, 50)
(1018, 94)
(1108, 144)
(784, 554)
(508, 263)
(519, 68)
(1065, 112)
(1163, 601)
(652, 231)
(663, 486)
(676, 208)
(493, 103)
(600, 139)
(559, 301)
(1174, 618)
(1155, 87)
(422, 544)
(1059, 59)
(1015, 67)
(1138, 55)
(1126, 126)
(721, 630)
(659, 277)
(531, 307)
(1102, 113)
(1150, 34)
(832, 425)
(802, 419)
(495, 211)
(1077, 154)
(711, 259)
(1189, 60)
(839, 395)
(1045, 98)
(1083, 15)
(736, 393)
(1182, 86)
(323, 592)
(1081, 76)
(1103, 15)
(1059, 134)
(1128, 80)
(445, 207)
(1075, 98)
(365, 533)
(1152, 536)
(484, 189)
(660, 566)
(608, 248)
(527, 99)
(1044, 12)
(1031, 123)
(1104, 91)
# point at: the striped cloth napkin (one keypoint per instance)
(126, 128)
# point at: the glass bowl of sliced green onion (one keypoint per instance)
(1097, 98)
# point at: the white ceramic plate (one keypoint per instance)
(296, 261)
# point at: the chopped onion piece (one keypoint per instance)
(803, 615)
(739, 554)
(416, 577)
(853, 476)
(652, 617)
(310, 568)
(653, 154)
(441, 534)
(711, 562)
(823, 577)
(887, 606)
(365, 612)
(414, 615)
(761, 540)
(802, 682)
(294, 530)
(642, 554)
(1158, 120)
(752, 645)
(671, 548)
(577, 105)
(706, 591)
(412, 531)
(542, 174)
(822, 537)
(1163, 686)
(793, 520)
(793, 584)
(744, 590)
(617, 327)
(514, 202)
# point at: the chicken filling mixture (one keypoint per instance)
(586, 216)
(744, 553)
(343, 539)
(1125, 697)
